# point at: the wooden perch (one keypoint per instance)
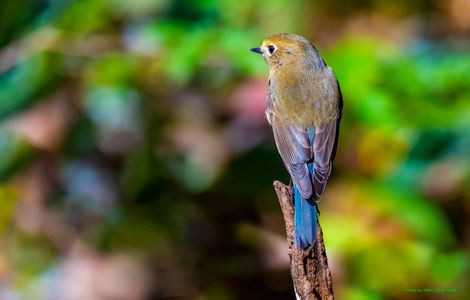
(309, 268)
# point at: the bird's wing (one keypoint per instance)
(269, 109)
(324, 150)
(295, 149)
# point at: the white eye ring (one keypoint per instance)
(271, 49)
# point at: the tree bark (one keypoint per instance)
(309, 267)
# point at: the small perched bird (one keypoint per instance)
(303, 106)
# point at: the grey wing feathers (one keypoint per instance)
(324, 149)
(324, 143)
(295, 150)
(294, 147)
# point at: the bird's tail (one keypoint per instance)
(305, 220)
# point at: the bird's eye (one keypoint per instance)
(271, 49)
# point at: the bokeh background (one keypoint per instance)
(136, 163)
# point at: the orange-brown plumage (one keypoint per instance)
(304, 87)
(304, 108)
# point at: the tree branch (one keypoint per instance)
(309, 268)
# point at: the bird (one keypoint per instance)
(304, 108)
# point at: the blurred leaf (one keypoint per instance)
(422, 216)
(446, 268)
(16, 153)
(8, 197)
(31, 255)
(112, 69)
(83, 16)
(24, 84)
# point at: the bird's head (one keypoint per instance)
(286, 49)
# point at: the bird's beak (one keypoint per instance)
(257, 50)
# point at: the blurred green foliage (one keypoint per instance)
(136, 128)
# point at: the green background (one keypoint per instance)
(136, 163)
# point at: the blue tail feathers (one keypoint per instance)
(305, 223)
(305, 211)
